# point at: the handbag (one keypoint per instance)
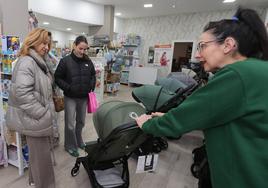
(58, 100)
(92, 104)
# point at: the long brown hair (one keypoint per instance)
(33, 39)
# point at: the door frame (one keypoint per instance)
(183, 41)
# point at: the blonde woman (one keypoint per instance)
(31, 109)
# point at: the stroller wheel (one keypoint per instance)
(75, 169)
(195, 170)
(157, 149)
(162, 143)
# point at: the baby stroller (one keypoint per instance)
(166, 94)
(119, 135)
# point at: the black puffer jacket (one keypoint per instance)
(75, 76)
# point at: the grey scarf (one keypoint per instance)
(41, 63)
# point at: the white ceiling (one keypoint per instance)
(134, 8)
(62, 24)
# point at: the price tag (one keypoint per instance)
(147, 163)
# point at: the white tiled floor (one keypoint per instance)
(173, 169)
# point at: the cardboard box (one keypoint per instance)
(11, 137)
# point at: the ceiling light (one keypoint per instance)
(229, 1)
(68, 29)
(173, 6)
(46, 23)
(148, 5)
(118, 14)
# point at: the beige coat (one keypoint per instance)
(31, 109)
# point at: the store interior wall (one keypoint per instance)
(14, 17)
(79, 11)
(119, 24)
(63, 39)
(165, 29)
(108, 25)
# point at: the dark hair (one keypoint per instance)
(247, 28)
(80, 39)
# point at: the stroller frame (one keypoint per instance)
(101, 156)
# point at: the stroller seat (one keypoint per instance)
(119, 135)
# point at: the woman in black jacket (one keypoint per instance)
(75, 75)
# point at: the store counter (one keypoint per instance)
(143, 75)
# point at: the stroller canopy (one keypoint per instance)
(166, 94)
(182, 77)
(170, 84)
(112, 114)
(152, 96)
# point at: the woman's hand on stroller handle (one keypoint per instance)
(142, 119)
(157, 114)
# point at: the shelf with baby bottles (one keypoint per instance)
(14, 148)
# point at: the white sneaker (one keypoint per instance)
(31, 184)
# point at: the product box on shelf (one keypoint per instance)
(6, 65)
(12, 154)
(5, 84)
(5, 105)
(113, 77)
(124, 77)
(10, 137)
(10, 44)
(112, 87)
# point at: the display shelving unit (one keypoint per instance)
(130, 54)
(130, 58)
(9, 46)
(4, 160)
(99, 63)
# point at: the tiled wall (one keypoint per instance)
(166, 29)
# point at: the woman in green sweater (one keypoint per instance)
(232, 109)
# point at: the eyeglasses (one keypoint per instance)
(201, 45)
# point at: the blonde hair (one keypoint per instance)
(34, 39)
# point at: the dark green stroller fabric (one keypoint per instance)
(166, 94)
(119, 136)
(170, 84)
(113, 114)
(152, 96)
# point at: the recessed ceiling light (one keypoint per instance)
(229, 1)
(148, 5)
(118, 14)
(68, 29)
(173, 6)
(46, 23)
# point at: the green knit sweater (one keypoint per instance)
(232, 110)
